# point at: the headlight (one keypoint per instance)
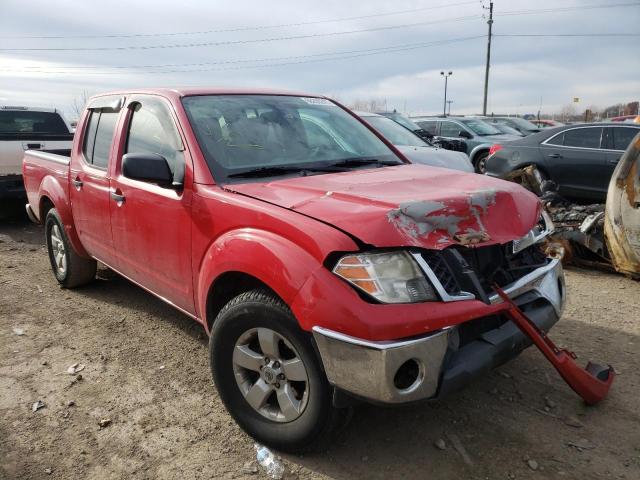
(543, 228)
(390, 277)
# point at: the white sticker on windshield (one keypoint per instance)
(318, 101)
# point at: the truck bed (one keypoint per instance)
(40, 167)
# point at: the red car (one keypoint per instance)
(324, 267)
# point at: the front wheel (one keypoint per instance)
(268, 374)
(70, 269)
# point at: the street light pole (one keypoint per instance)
(486, 70)
(446, 77)
(449, 102)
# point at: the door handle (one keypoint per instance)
(117, 196)
(614, 160)
(554, 155)
(78, 183)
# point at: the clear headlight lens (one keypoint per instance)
(390, 277)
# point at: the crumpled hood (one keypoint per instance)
(437, 157)
(408, 205)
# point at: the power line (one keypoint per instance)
(242, 29)
(567, 35)
(303, 59)
(256, 60)
(241, 42)
(565, 9)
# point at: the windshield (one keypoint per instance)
(404, 121)
(481, 128)
(507, 129)
(521, 123)
(396, 134)
(267, 135)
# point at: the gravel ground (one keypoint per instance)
(146, 372)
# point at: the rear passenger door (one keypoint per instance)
(152, 223)
(618, 139)
(577, 162)
(90, 179)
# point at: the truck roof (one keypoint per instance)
(191, 91)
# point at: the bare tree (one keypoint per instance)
(79, 102)
(568, 112)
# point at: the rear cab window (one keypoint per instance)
(32, 124)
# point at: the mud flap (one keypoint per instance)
(592, 383)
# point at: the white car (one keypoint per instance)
(415, 148)
(28, 128)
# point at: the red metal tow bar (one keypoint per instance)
(592, 383)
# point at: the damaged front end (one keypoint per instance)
(603, 236)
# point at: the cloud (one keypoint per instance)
(600, 71)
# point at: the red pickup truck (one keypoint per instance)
(323, 265)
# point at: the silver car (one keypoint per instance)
(415, 148)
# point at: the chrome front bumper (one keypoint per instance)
(367, 369)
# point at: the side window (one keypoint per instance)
(428, 127)
(152, 130)
(557, 140)
(99, 136)
(622, 136)
(90, 136)
(104, 138)
(583, 137)
(450, 129)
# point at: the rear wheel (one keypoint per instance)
(70, 269)
(480, 162)
(268, 374)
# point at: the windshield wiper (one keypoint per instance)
(357, 161)
(268, 171)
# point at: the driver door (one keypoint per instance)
(152, 224)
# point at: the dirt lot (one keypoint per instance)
(146, 371)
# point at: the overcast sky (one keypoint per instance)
(398, 57)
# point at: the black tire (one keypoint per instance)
(318, 421)
(77, 270)
(480, 162)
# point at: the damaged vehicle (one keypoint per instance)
(579, 159)
(326, 268)
(601, 235)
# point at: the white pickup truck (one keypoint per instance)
(28, 128)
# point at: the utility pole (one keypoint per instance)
(486, 71)
(449, 102)
(444, 107)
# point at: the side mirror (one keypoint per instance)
(464, 134)
(148, 167)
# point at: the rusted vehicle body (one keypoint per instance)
(622, 213)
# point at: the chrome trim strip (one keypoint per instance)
(531, 281)
(444, 295)
(51, 157)
(376, 345)
(31, 214)
(585, 148)
(530, 238)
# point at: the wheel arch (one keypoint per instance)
(245, 259)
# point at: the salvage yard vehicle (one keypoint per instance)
(324, 266)
(413, 147)
(27, 128)
(579, 159)
(478, 136)
(525, 127)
